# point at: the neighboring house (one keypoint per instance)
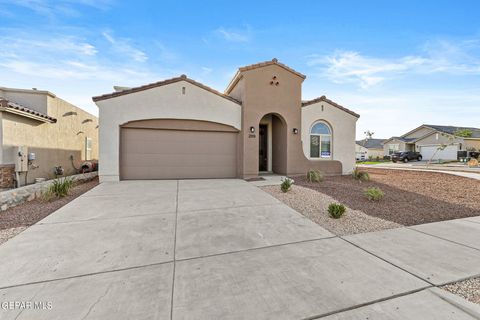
(427, 139)
(369, 148)
(55, 133)
(179, 128)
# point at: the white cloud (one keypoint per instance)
(123, 46)
(235, 35)
(367, 71)
(51, 8)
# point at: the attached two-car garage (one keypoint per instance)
(177, 149)
(433, 152)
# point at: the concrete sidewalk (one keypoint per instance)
(472, 173)
(224, 249)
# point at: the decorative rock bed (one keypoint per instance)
(14, 197)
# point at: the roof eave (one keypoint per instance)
(28, 115)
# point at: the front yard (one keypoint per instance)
(411, 198)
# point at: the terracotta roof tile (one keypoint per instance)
(324, 99)
(4, 103)
(163, 83)
(274, 61)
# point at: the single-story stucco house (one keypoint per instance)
(427, 139)
(179, 128)
(38, 132)
(369, 149)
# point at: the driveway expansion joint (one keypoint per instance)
(323, 315)
(441, 238)
(174, 251)
(378, 257)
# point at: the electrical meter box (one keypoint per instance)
(20, 156)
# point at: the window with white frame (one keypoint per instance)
(320, 141)
(393, 147)
(88, 148)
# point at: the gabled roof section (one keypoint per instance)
(13, 107)
(324, 99)
(453, 129)
(371, 143)
(162, 83)
(408, 140)
(274, 61)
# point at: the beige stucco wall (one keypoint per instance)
(437, 138)
(401, 146)
(164, 102)
(472, 143)
(343, 126)
(374, 153)
(33, 99)
(53, 143)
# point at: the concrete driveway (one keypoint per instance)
(224, 249)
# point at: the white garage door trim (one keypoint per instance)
(177, 149)
(449, 153)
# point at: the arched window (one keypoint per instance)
(320, 141)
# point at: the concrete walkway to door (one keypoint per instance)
(224, 249)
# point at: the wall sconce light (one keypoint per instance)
(295, 130)
(252, 129)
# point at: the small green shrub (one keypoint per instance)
(286, 184)
(374, 194)
(360, 175)
(314, 176)
(60, 187)
(336, 210)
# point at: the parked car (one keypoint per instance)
(406, 156)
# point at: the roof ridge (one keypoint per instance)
(274, 61)
(325, 99)
(182, 77)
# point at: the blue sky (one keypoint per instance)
(397, 63)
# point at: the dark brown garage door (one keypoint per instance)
(177, 154)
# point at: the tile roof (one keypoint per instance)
(159, 84)
(4, 103)
(372, 143)
(324, 99)
(274, 61)
(453, 129)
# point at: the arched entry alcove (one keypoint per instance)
(272, 144)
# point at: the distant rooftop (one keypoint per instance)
(453, 129)
(372, 143)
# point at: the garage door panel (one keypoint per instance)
(449, 153)
(151, 160)
(171, 154)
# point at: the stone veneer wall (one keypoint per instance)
(6, 175)
(11, 198)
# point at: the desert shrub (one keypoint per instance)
(360, 175)
(314, 176)
(286, 184)
(374, 194)
(60, 187)
(336, 210)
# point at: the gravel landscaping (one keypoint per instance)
(468, 289)
(16, 219)
(411, 197)
(314, 204)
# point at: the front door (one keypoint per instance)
(263, 148)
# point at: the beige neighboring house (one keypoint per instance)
(369, 149)
(427, 139)
(179, 128)
(38, 132)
